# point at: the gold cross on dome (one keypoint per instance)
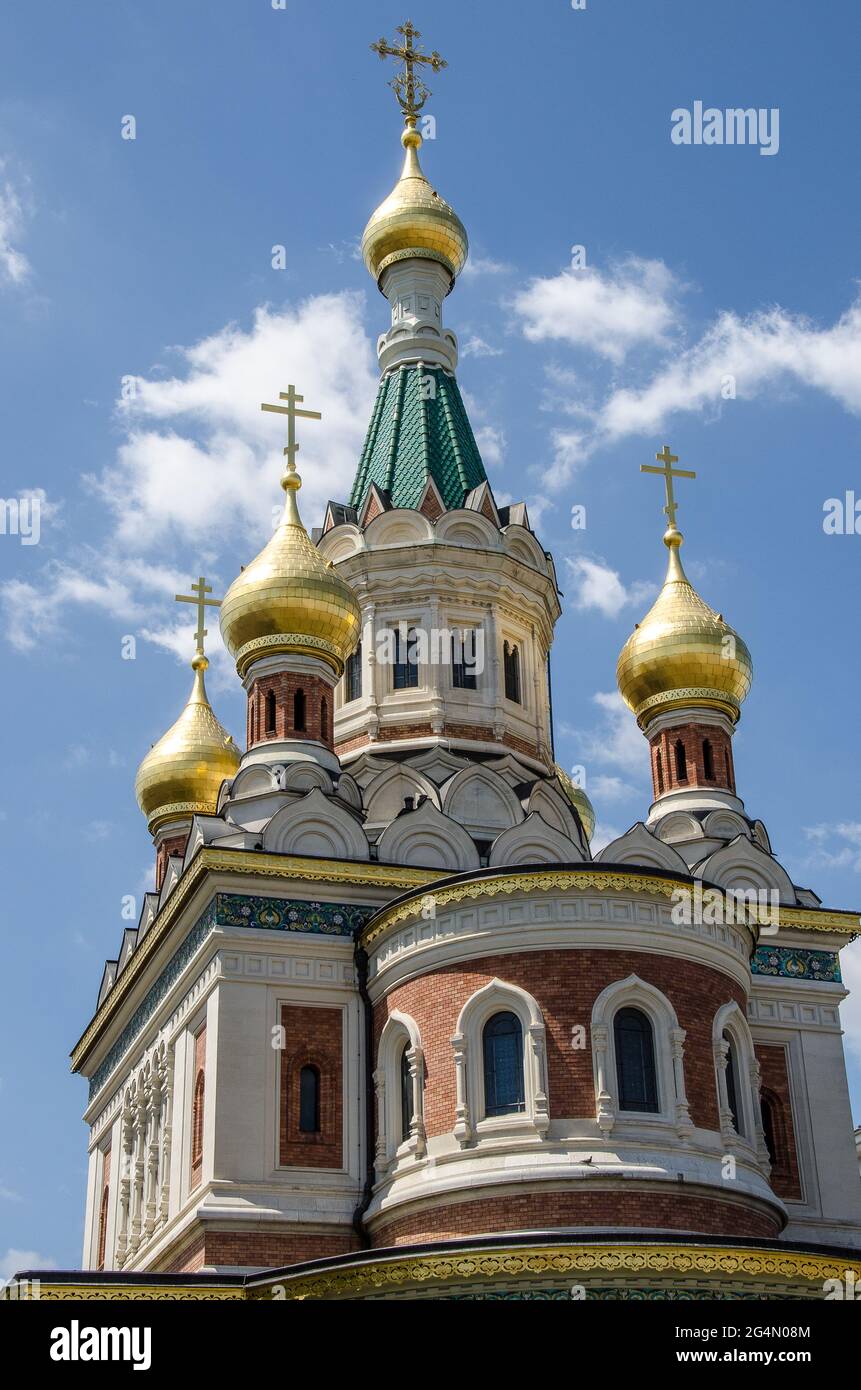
(668, 473)
(198, 597)
(290, 410)
(407, 86)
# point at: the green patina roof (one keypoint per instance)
(410, 439)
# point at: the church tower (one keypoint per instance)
(387, 1026)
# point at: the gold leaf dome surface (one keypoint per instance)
(579, 800)
(414, 221)
(182, 774)
(289, 599)
(683, 653)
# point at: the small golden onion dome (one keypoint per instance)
(682, 654)
(414, 221)
(182, 774)
(289, 599)
(579, 800)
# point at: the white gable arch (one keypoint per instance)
(384, 797)
(534, 842)
(482, 800)
(315, 825)
(427, 838)
(639, 846)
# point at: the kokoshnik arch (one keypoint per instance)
(503, 1063)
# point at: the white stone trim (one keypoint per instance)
(668, 1041)
(730, 1019)
(472, 1125)
(400, 1030)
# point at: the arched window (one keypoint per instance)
(463, 659)
(635, 1062)
(197, 1125)
(299, 711)
(270, 712)
(511, 672)
(503, 1065)
(324, 718)
(406, 1080)
(405, 672)
(771, 1128)
(309, 1100)
(659, 764)
(708, 761)
(103, 1228)
(732, 1084)
(681, 763)
(353, 676)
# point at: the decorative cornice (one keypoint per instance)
(791, 963)
(241, 862)
(590, 877)
(717, 1263)
(113, 1293)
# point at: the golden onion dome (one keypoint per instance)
(682, 654)
(182, 774)
(414, 221)
(579, 800)
(289, 599)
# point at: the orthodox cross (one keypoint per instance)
(668, 473)
(407, 86)
(198, 597)
(292, 414)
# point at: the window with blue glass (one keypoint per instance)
(309, 1100)
(405, 674)
(635, 1062)
(503, 1065)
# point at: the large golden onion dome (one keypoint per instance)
(682, 654)
(414, 221)
(182, 774)
(289, 599)
(579, 800)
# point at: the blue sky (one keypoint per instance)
(150, 260)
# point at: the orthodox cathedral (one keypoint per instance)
(387, 1026)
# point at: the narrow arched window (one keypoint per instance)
(197, 1124)
(270, 712)
(503, 1065)
(681, 764)
(732, 1090)
(659, 764)
(406, 1081)
(405, 672)
(635, 1062)
(511, 672)
(708, 761)
(353, 676)
(299, 711)
(309, 1100)
(324, 718)
(770, 1128)
(103, 1229)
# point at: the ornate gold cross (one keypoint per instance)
(292, 413)
(407, 86)
(668, 473)
(198, 597)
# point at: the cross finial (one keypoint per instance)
(198, 597)
(292, 413)
(407, 86)
(668, 473)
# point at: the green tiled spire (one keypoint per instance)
(411, 438)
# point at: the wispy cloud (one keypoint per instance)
(477, 347)
(600, 587)
(15, 211)
(835, 846)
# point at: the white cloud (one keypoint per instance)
(484, 265)
(14, 1261)
(491, 445)
(571, 449)
(604, 787)
(616, 741)
(836, 846)
(14, 265)
(199, 451)
(600, 587)
(477, 347)
(604, 835)
(609, 312)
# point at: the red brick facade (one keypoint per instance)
(172, 845)
(259, 1250)
(289, 705)
(777, 1119)
(312, 1038)
(619, 1209)
(565, 985)
(691, 755)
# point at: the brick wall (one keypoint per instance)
(313, 1038)
(173, 845)
(776, 1097)
(621, 1209)
(284, 685)
(565, 984)
(259, 1250)
(665, 776)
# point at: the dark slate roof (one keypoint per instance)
(411, 438)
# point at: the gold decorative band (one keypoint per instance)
(292, 642)
(411, 253)
(176, 810)
(700, 695)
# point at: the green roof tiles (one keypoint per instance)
(419, 429)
